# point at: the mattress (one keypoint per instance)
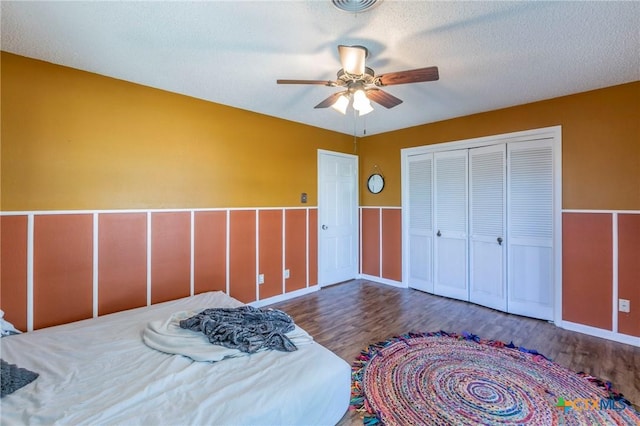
(99, 371)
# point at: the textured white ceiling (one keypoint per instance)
(490, 54)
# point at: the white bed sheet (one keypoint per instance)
(99, 371)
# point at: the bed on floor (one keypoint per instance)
(99, 371)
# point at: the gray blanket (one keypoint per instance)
(246, 328)
(14, 377)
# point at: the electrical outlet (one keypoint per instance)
(261, 279)
(286, 274)
(624, 305)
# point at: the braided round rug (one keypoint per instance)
(450, 379)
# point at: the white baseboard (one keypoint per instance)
(599, 332)
(286, 296)
(382, 280)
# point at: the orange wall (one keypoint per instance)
(595, 244)
(381, 242)
(170, 255)
(13, 269)
(600, 145)
(62, 269)
(132, 266)
(392, 244)
(210, 251)
(242, 255)
(629, 272)
(296, 249)
(122, 248)
(370, 225)
(75, 140)
(270, 252)
(586, 292)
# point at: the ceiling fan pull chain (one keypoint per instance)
(355, 140)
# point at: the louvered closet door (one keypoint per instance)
(530, 224)
(420, 270)
(487, 211)
(450, 242)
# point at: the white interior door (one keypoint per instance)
(487, 217)
(337, 217)
(530, 223)
(450, 242)
(420, 222)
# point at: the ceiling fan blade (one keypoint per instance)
(411, 76)
(329, 101)
(322, 82)
(385, 99)
(352, 58)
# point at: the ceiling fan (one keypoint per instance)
(361, 84)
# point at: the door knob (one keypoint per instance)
(500, 241)
(439, 234)
(324, 227)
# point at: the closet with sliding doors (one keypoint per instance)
(481, 221)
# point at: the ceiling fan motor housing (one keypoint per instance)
(367, 78)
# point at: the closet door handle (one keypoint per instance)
(325, 227)
(499, 241)
(439, 234)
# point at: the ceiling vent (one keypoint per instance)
(355, 6)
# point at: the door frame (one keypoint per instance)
(356, 198)
(555, 134)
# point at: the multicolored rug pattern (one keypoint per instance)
(445, 378)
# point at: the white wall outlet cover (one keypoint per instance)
(624, 305)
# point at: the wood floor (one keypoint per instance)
(347, 317)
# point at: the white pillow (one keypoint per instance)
(6, 328)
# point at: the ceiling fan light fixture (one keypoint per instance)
(341, 104)
(364, 110)
(360, 101)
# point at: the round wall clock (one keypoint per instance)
(375, 183)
